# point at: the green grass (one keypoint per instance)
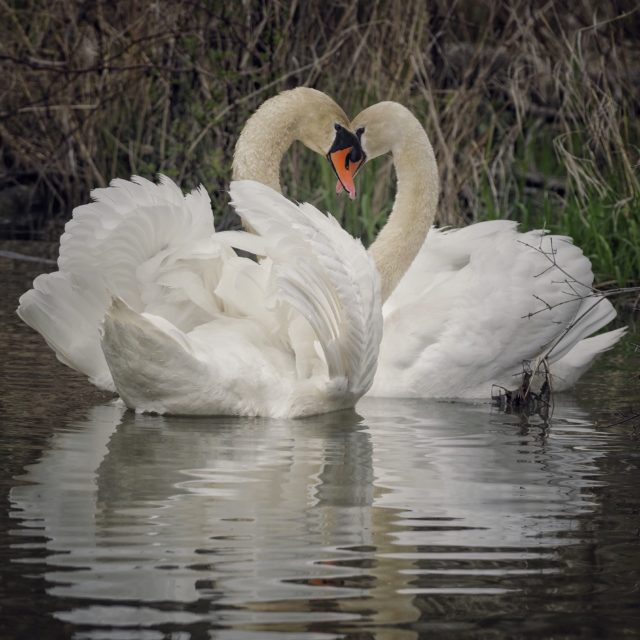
(602, 218)
(608, 233)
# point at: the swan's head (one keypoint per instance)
(303, 114)
(379, 129)
(323, 127)
(383, 127)
(346, 157)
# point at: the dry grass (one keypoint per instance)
(533, 108)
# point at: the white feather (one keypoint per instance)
(188, 326)
(480, 302)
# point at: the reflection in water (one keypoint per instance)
(319, 527)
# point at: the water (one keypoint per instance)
(402, 520)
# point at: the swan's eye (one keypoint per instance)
(337, 126)
(359, 131)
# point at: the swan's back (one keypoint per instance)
(480, 302)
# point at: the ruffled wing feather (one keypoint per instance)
(324, 274)
(143, 242)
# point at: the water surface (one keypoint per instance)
(400, 520)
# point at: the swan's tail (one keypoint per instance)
(575, 351)
(594, 313)
(151, 361)
(566, 371)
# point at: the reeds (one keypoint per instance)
(532, 107)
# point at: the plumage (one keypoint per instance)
(150, 301)
(480, 304)
(477, 306)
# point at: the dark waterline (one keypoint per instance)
(401, 521)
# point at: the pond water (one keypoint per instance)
(400, 520)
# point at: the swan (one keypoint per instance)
(477, 304)
(150, 302)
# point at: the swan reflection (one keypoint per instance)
(261, 519)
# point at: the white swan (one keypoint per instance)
(150, 302)
(476, 303)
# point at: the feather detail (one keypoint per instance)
(324, 274)
(480, 302)
(149, 301)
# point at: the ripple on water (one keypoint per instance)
(404, 519)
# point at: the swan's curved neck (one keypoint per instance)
(414, 208)
(303, 114)
(267, 135)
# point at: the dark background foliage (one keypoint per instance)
(532, 107)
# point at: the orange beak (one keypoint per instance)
(345, 170)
